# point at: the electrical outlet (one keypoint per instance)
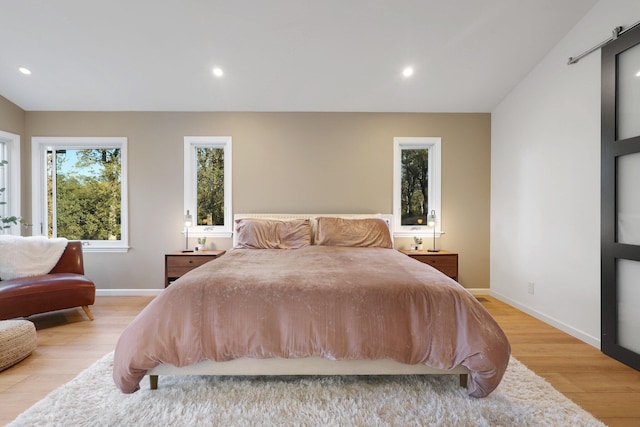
(530, 287)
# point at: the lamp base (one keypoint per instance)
(184, 251)
(433, 250)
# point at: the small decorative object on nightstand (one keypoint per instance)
(417, 243)
(177, 264)
(201, 244)
(445, 261)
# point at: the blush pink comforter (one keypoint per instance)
(335, 302)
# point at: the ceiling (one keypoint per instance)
(278, 55)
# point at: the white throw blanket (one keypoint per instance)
(28, 256)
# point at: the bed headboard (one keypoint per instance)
(386, 217)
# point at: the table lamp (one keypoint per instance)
(431, 221)
(187, 223)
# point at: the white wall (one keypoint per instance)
(545, 181)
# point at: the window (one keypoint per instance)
(9, 180)
(207, 185)
(80, 191)
(416, 186)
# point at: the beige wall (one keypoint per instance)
(11, 117)
(282, 162)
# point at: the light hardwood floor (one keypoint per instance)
(69, 343)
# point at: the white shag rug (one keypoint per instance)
(92, 399)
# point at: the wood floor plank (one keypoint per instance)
(69, 343)
(609, 405)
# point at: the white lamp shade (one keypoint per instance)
(431, 219)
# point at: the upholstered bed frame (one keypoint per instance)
(307, 365)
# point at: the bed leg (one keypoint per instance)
(463, 380)
(153, 382)
(88, 312)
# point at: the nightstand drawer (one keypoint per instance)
(444, 261)
(186, 263)
(178, 264)
(447, 264)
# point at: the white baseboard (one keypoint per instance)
(127, 292)
(479, 291)
(582, 336)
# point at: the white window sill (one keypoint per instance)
(97, 248)
(213, 234)
(416, 233)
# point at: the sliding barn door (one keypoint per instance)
(621, 198)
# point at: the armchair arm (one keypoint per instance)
(71, 260)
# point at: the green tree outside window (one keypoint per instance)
(415, 186)
(85, 202)
(210, 185)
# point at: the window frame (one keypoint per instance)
(39, 148)
(190, 184)
(434, 145)
(11, 148)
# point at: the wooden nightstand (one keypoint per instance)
(179, 263)
(445, 261)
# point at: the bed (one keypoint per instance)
(313, 295)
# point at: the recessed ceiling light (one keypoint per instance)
(218, 72)
(407, 72)
(24, 70)
(638, 74)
